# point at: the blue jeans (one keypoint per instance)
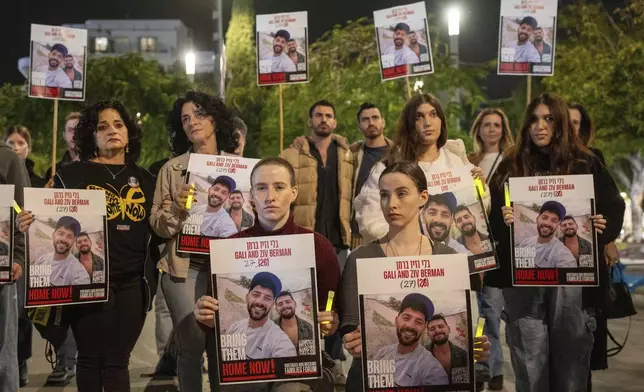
(8, 338)
(491, 307)
(550, 336)
(193, 338)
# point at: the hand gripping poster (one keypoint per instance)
(7, 227)
(454, 215)
(67, 255)
(220, 207)
(58, 62)
(264, 286)
(282, 48)
(553, 240)
(403, 41)
(413, 311)
(527, 36)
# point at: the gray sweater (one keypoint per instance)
(349, 306)
(13, 171)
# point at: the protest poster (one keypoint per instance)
(282, 48)
(527, 36)
(67, 255)
(410, 308)
(221, 205)
(403, 41)
(7, 228)
(58, 62)
(553, 239)
(263, 283)
(455, 216)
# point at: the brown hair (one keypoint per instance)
(407, 143)
(506, 142)
(565, 151)
(274, 161)
(20, 130)
(411, 170)
(73, 116)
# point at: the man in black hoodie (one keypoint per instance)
(12, 171)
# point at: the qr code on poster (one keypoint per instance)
(307, 347)
(586, 261)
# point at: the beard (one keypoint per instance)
(570, 233)
(292, 50)
(373, 133)
(438, 237)
(61, 247)
(214, 201)
(468, 229)
(545, 231)
(257, 312)
(523, 37)
(53, 63)
(538, 39)
(322, 132)
(440, 339)
(85, 250)
(407, 340)
(287, 313)
(398, 42)
(236, 206)
(277, 49)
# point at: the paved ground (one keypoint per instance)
(626, 372)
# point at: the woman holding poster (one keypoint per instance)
(421, 137)
(109, 143)
(557, 321)
(402, 187)
(198, 123)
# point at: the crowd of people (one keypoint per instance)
(361, 200)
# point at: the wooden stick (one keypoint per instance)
(529, 92)
(54, 136)
(409, 94)
(281, 121)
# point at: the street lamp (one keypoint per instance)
(453, 29)
(190, 60)
(453, 20)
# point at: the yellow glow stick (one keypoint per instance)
(329, 304)
(16, 207)
(480, 187)
(479, 331)
(507, 194)
(190, 197)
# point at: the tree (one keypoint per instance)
(599, 63)
(141, 85)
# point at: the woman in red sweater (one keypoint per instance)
(273, 190)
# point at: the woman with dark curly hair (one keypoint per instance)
(198, 123)
(109, 142)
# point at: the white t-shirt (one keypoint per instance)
(526, 53)
(553, 254)
(281, 63)
(57, 78)
(215, 224)
(369, 216)
(66, 272)
(267, 341)
(417, 368)
(403, 55)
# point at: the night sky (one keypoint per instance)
(478, 39)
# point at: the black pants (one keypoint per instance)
(105, 335)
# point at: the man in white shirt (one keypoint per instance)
(54, 74)
(438, 216)
(415, 365)
(548, 250)
(66, 270)
(216, 221)
(402, 54)
(524, 50)
(281, 61)
(264, 338)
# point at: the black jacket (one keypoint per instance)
(608, 202)
(13, 171)
(35, 179)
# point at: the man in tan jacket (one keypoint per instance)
(324, 174)
(366, 153)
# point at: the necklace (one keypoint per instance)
(420, 245)
(108, 169)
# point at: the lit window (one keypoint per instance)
(101, 44)
(148, 44)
